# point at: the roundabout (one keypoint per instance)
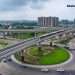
(56, 57)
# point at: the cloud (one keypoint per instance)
(31, 9)
(7, 5)
(38, 4)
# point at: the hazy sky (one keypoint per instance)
(31, 9)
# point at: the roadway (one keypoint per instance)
(11, 68)
(41, 29)
(46, 29)
(6, 52)
(7, 69)
(22, 45)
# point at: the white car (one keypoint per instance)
(44, 70)
(60, 70)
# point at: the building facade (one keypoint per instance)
(48, 21)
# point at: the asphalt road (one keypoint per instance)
(11, 68)
(6, 69)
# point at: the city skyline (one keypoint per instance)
(31, 9)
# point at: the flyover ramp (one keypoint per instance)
(6, 52)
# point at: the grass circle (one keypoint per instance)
(57, 56)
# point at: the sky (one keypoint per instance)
(32, 9)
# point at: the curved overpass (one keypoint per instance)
(6, 52)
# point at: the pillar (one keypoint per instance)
(64, 37)
(51, 44)
(4, 35)
(22, 55)
(57, 37)
(40, 51)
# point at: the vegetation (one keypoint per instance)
(26, 35)
(22, 35)
(59, 55)
(56, 56)
(3, 44)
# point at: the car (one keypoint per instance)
(4, 60)
(60, 70)
(44, 70)
(9, 59)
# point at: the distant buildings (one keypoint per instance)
(66, 23)
(48, 21)
(42, 22)
(74, 21)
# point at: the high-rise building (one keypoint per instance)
(48, 21)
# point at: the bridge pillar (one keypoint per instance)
(22, 55)
(57, 37)
(63, 37)
(19, 36)
(40, 51)
(69, 35)
(4, 35)
(8, 33)
(22, 36)
(14, 35)
(51, 43)
(72, 34)
(35, 34)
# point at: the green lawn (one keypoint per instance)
(2, 46)
(57, 56)
(22, 35)
(33, 51)
(26, 35)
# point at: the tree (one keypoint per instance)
(40, 51)
(51, 44)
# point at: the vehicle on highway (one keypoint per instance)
(44, 70)
(60, 69)
(9, 59)
(4, 60)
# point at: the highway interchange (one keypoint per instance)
(6, 52)
(11, 68)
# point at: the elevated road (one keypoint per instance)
(6, 52)
(46, 29)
